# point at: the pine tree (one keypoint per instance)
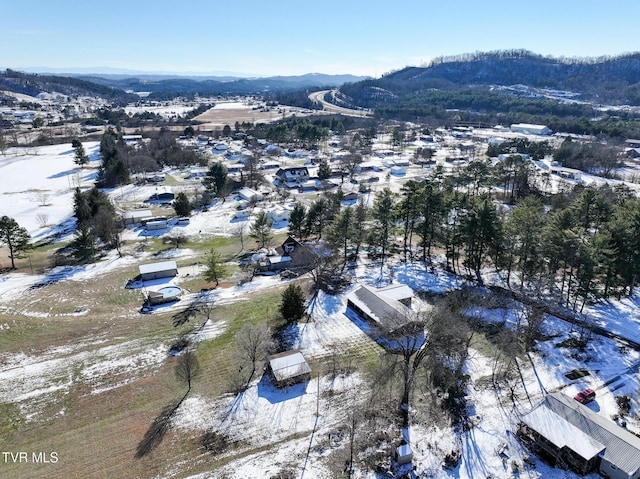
(216, 269)
(216, 178)
(181, 205)
(383, 214)
(324, 170)
(15, 237)
(261, 229)
(297, 220)
(80, 156)
(293, 303)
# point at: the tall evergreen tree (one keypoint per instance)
(341, 232)
(216, 269)
(292, 306)
(181, 204)
(216, 178)
(80, 156)
(297, 219)
(261, 229)
(15, 237)
(384, 217)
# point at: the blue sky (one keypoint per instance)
(283, 37)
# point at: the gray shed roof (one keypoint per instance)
(156, 267)
(382, 308)
(288, 365)
(622, 448)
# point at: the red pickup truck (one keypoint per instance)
(585, 396)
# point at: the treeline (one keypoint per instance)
(606, 79)
(573, 247)
(34, 84)
(119, 160)
(120, 118)
(449, 107)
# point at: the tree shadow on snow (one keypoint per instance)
(273, 394)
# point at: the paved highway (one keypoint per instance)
(318, 97)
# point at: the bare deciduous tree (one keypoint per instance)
(187, 369)
(254, 343)
(43, 219)
(43, 198)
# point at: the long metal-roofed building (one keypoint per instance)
(387, 308)
(567, 433)
(163, 269)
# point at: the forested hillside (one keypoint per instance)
(34, 84)
(606, 80)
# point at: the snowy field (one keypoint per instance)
(37, 184)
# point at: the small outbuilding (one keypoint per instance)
(164, 269)
(288, 368)
(403, 454)
(250, 195)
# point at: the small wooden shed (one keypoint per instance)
(288, 368)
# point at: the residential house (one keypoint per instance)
(569, 434)
(292, 177)
(290, 255)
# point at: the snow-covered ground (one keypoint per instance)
(278, 427)
(37, 185)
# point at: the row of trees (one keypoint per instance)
(580, 245)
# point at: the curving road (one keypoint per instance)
(318, 97)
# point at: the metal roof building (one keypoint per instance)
(570, 433)
(288, 368)
(164, 269)
(387, 307)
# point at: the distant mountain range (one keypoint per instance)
(119, 87)
(491, 76)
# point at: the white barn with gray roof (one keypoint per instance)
(387, 307)
(163, 269)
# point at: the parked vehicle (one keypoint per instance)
(585, 396)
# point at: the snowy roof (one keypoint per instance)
(404, 451)
(155, 267)
(383, 308)
(396, 291)
(138, 214)
(288, 365)
(561, 433)
(279, 259)
(622, 447)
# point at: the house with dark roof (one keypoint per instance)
(386, 308)
(571, 435)
(291, 254)
(292, 177)
(288, 368)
